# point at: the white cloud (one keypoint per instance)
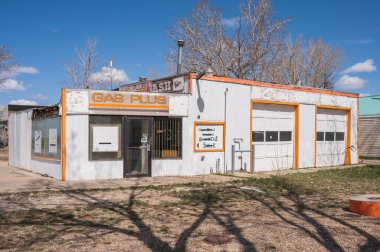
(39, 97)
(108, 74)
(16, 70)
(364, 94)
(23, 102)
(230, 22)
(365, 41)
(366, 66)
(11, 85)
(351, 82)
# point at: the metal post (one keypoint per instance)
(233, 159)
(180, 44)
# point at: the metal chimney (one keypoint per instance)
(180, 44)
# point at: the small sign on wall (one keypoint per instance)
(53, 141)
(105, 139)
(209, 136)
(37, 141)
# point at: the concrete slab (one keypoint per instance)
(14, 180)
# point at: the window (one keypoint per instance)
(285, 136)
(46, 138)
(329, 136)
(257, 136)
(320, 136)
(105, 137)
(271, 136)
(339, 136)
(167, 141)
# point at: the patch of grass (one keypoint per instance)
(164, 229)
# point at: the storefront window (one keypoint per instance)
(167, 141)
(105, 137)
(46, 138)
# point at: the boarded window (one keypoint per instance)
(329, 136)
(167, 140)
(285, 136)
(339, 136)
(320, 136)
(105, 137)
(271, 136)
(257, 136)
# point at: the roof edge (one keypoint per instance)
(273, 85)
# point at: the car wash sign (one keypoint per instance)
(167, 85)
(209, 136)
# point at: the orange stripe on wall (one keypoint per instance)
(63, 134)
(129, 106)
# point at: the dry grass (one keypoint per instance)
(305, 212)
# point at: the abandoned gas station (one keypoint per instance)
(185, 125)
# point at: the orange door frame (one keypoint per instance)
(347, 157)
(296, 122)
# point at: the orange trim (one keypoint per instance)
(297, 138)
(358, 131)
(129, 106)
(250, 138)
(296, 127)
(271, 85)
(315, 138)
(209, 123)
(63, 134)
(347, 158)
(46, 158)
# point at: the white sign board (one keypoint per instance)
(37, 141)
(77, 101)
(105, 139)
(209, 137)
(53, 141)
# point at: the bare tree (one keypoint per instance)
(6, 62)
(253, 46)
(314, 64)
(244, 51)
(80, 69)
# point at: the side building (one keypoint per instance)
(186, 125)
(369, 133)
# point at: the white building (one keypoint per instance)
(186, 125)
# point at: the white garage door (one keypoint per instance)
(331, 137)
(273, 129)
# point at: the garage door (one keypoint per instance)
(273, 129)
(331, 137)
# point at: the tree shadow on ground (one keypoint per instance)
(290, 209)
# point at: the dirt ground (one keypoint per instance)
(302, 212)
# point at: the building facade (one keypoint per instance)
(186, 125)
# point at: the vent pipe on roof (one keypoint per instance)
(180, 44)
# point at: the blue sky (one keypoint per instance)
(43, 35)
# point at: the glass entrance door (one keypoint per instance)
(137, 132)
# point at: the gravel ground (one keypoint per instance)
(247, 217)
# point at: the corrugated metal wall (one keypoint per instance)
(20, 144)
(369, 136)
(20, 125)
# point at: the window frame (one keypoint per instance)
(121, 138)
(153, 156)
